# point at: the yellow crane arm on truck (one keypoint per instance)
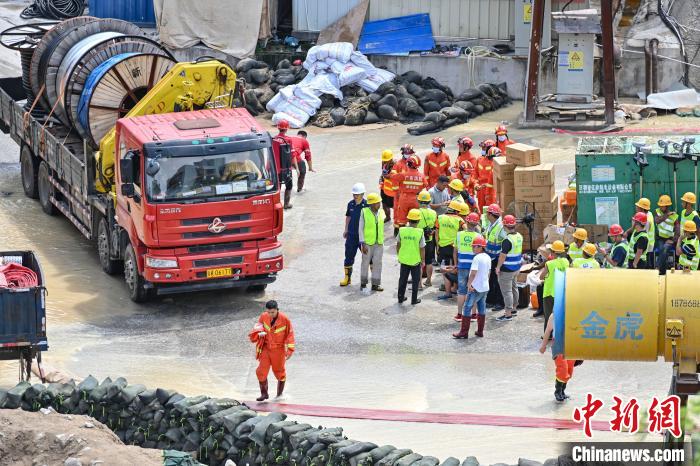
(187, 86)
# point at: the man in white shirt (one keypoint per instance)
(478, 287)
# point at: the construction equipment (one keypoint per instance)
(673, 159)
(193, 203)
(640, 158)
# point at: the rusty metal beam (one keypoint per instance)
(606, 18)
(533, 62)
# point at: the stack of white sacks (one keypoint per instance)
(331, 66)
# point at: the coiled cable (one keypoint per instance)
(54, 9)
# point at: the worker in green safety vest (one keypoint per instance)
(689, 212)
(588, 260)
(638, 242)
(410, 249)
(667, 231)
(617, 257)
(558, 262)
(643, 205)
(427, 222)
(688, 247)
(576, 248)
(448, 224)
(508, 268)
(372, 242)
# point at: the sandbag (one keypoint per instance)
(252, 100)
(371, 118)
(390, 100)
(423, 127)
(394, 456)
(284, 64)
(432, 83)
(410, 107)
(470, 461)
(451, 122)
(387, 112)
(487, 89)
(412, 77)
(98, 393)
(372, 82)
(374, 97)
(130, 392)
(363, 459)
(13, 397)
(258, 433)
(430, 106)
(435, 94)
(147, 396)
(455, 112)
(174, 399)
(436, 117)
(116, 387)
(478, 109)
(381, 452)
(427, 461)
(451, 461)
(401, 92)
(464, 104)
(415, 90)
(408, 460)
(355, 449)
(386, 88)
(470, 94)
(245, 65)
(285, 80)
(355, 116)
(259, 76)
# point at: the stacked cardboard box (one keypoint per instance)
(503, 174)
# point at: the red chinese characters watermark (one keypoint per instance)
(665, 415)
(626, 417)
(586, 413)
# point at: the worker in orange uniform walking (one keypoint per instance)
(410, 183)
(274, 344)
(486, 192)
(464, 145)
(399, 167)
(502, 139)
(385, 185)
(437, 162)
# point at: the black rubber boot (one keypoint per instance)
(263, 392)
(559, 391)
(287, 198)
(280, 388)
(563, 393)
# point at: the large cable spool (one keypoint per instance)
(114, 87)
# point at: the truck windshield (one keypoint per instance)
(238, 173)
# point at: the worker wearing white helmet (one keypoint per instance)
(352, 229)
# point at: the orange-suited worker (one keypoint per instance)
(386, 187)
(274, 344)
(502, 139)
(409, 184)
(437, 162)
(464, 146)
(486, 192)
(399, 167)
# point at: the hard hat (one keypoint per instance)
(387, 155)
(558, 247)
(358, 188)
(590, 249)
(373, 198)
(455, 205)
(465, 141)
(509, 221)
(690, 226)
(581, 234)
(479, 241)
(413, 215)
(615, 230)
(494, 209)
(407, 149)
(689, 250)
(640, 217)
(473, 218)
(487, 143)
(500, 129)
(689, 197)
(493, 152)
(413, 161)
(283, 124)
(464, 209)
(438, 142)
(424, 196)
(664, 200)
(465, 167)
(643, 203)
(456, 184)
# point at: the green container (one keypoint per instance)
(608, 181)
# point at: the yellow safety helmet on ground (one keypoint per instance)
(581, 234)
(373, 198)
(424, 196)
(643, 203)
(664, 200)
(387, 155)
(590, 249)
(456, 184)
(690, 226)
(464, 209)
(689, 197)
(455, 205)
(558, 247)
(413, 215)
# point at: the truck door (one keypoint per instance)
(134, 205)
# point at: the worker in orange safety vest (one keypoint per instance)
(437, 162)
(274, 344)
(409, 183)
(464, 145)
(386, 187)
(399, 167)
(486, 191)
(502, 139)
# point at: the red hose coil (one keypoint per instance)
(17, 276)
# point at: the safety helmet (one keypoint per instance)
(407, 149)
(643, 203)
(615, 230)
(283, 124)
(640, 217)
(689, 250)
(590, 249)
(558, 247)
(690, 226)
(689, 197)
(500, 129)
(455, 205)
(424, 196)
(464, 209)
(494, 209)
(485, 144)
(465, 141)
(509, 221)
(358, 188)
(581, 234)
(465, 167)
(373, 198)
(493, 152)
(413, 215)
(438, 142)
(456, 184)
(387, 155)
(473, 218)
(664, 200)
(479, 241)
(413, 161)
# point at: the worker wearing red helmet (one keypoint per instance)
(495, 234)
(508, 267)
(477, 288)
(399, 167)
(465, 155)
(617, 257)
(486, 192)
(638, 242)
(502, 139)
(410, 183)
(287, 160)
(437, 162)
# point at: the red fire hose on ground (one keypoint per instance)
(17, 276)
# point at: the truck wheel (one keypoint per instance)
(109, 265)
(134, 281)
(30, 169)
(45, 189)
(257, 288)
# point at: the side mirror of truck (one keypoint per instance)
(128, 167)
(128, 190)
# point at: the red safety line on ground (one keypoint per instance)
(429, 418)
(631, 131)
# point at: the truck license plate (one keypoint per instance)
(222, 272)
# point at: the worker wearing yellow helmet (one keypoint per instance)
(558, 261)
(448, 224)
(458, 193)
(386, 187)
(667, 230)
(688, 247)
(644, 205)
(428, 223)
(689, 212)
(588, 260)
(372, 242)
(576, 247)
(410, 249)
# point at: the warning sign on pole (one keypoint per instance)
(527, 13)
(575, 60)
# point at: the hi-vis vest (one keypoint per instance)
(582, 263)
(691, 216)
(575, 252)
(515, 256)
(651, 234)
(667, 227)
(684, 260)
(427, 220)
(623, 264)
(493, 238)
(374, 226)
(465, 254)
(409, 252)
(448, 226)
(632, 250)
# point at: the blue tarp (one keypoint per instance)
(397, 35)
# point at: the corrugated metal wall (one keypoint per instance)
(314, 15)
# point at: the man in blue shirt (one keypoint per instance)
(352, 229)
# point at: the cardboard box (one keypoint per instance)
(522, 155)
(555, 232)
(502, 169)
(548, 209)
(505, 199)
(537, 175)
(596, 233)
(534, 193)
(506, 187)
(569, 213)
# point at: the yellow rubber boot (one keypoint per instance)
(346, 281)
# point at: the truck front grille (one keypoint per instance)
(207, 220)
(219, 247)
(209, 234)
(217, 261)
